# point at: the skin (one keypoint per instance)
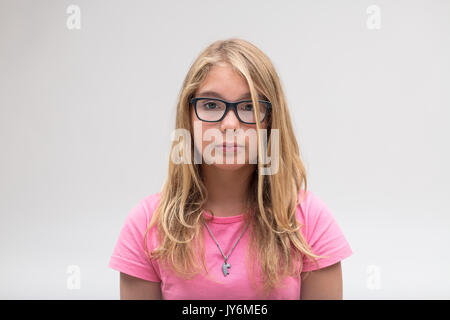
(132, 288)
(323, 284)
(227, 186)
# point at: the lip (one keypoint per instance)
(231, 147)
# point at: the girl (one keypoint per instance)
(231, 222)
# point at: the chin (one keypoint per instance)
(229, 167)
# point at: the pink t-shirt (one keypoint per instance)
(321, 231)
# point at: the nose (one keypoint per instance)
(230, 121)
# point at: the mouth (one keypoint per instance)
(230, 147)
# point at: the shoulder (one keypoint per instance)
(309, 206)
(321, 231)
(129, 255)
(314, 215)
(144, 209)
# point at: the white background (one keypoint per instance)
(86, 117)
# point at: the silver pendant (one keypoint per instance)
(225, 267)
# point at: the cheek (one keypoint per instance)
(200, 129)
(251, 143)
(265, 123)
(196, 133)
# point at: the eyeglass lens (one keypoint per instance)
(213, 110)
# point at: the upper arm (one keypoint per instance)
(323, 284)
(132, 288)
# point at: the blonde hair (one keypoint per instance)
(275, 237)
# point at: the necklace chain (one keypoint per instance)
(226, 265)
(226, 257)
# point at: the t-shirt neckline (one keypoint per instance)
(229, 219)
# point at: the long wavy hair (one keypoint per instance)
(276, 244)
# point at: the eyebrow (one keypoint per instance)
(215, 94)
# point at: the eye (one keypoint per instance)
(210, 105)
(247, 107)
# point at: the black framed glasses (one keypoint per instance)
(214, 109)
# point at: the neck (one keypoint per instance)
(228, 190)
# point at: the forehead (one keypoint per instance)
(224, 82)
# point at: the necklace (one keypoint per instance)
(226, 265)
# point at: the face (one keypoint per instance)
(240, 138)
